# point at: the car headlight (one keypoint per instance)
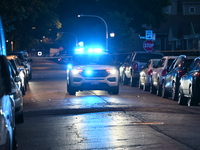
(76, 71)
(112, 71)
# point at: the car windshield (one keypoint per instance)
(88, 59)
(20, 56)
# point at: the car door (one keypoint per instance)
(171, 73)
(187, 79)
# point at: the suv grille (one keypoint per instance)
(95, 73)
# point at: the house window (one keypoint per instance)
(167, 9)
(192, 10)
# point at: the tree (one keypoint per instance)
(26, 22)
(118, 23)
(122, 17)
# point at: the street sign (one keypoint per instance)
(148, 45)
(149, 34)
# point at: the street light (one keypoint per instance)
(104, 23)
(72, 35)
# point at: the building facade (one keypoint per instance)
(182, 30)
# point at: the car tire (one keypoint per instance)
(140, 85)
(124, 79)
(174, 92)
(30, 75)
(182, 100)
(158, 89)
(133, 82)
(164, 93)
(23, 90)
(71, 90)
(20, 118)
(146, 87)
(193, 99)
(114, 90)
(7, 145)
(152, 89)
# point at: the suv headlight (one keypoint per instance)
(112, 71)
(76, 71)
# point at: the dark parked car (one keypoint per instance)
(19, 71)
(130, 70)
(177, 69)
(190, 85)
(25, 62)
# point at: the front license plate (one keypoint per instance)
(94, 82)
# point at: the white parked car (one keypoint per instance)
(159, 73)
(145, 74)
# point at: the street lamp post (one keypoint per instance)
(104, 23)
(74, 35)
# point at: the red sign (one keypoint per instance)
(148, 45)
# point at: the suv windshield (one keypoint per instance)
(89, 59)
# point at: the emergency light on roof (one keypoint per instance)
(90, 50)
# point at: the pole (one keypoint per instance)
(104, 23)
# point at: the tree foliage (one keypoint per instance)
(20, 16)
(47, 16)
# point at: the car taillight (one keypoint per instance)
(135, 66)
(164, 72)
(150, 72)
(197, 74)
(180, 73)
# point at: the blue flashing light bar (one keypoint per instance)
(89, 50)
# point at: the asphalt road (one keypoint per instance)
(132, 120)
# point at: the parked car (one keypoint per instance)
(25, 62)
(7, 108)
(177, 69)
(158, 74)
(19, 71)
(146, 73)
(130, 69)
(189, 88)
(17, 96)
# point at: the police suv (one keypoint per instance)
(92, 70)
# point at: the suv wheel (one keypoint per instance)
(114, 90)
(71, 90)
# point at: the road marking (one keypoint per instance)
(149, 123)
